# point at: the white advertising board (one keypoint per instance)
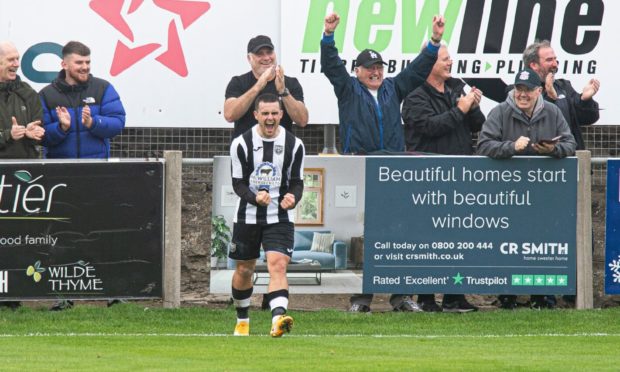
(171, 60)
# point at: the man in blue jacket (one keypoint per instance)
(80, 112)
(368, 104)
(369, 110)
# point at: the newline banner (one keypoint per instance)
(81, 230)
(470, 225)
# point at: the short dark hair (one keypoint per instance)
(530, 54)
(75, 47)
(267, 98)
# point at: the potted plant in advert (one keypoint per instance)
(220, 238)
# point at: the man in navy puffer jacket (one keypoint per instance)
(80, 112)
(369, 104)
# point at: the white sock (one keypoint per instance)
(243, 320)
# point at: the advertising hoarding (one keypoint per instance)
(81, 230)
(172, 60)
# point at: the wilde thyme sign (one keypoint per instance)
(81, 230)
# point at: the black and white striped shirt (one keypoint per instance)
(274, 164)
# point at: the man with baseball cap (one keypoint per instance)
(266, 76)
(369, 104)
(579, 109)
(525, 124)
(369, 110)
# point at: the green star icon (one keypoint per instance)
(539, 280)
(562, 280)
(517, 280)
(458, 279)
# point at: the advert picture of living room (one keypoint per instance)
(329, 224)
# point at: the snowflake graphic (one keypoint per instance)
(614, 266)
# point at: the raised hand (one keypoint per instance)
(521, 143)
(549, 89)
(331, 22)
(279, 79)
(543, 148)
(17, 131)
(477, 96)
(466, 102)
(590, 89)
(35, 131)
(288, 201)
(87, 120)
(263, 198)
(64, 118)
(268, 75)
(439, 24)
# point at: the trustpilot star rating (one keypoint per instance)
(540, 280)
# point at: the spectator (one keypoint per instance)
(369, 110)
(525, 124)
(81, 113)
(267, 174)
(266, 76)
(369, 104)
(440, 118)
(20, 117)
(577, 109)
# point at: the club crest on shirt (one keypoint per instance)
(265, 176)
(278, 149)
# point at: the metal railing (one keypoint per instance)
(209, 161)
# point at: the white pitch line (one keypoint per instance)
(9, 335)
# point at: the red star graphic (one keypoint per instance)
(173, 57)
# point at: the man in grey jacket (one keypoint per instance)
(525, 124)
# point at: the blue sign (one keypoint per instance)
(470, 225)
(612, 231)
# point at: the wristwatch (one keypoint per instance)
(284, 93)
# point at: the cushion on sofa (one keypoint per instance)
(322, 242)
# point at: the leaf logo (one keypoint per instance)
(35, 271)
(25, 176)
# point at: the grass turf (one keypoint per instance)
(130, 337)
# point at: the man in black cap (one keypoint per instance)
(526, 124)
(535, 127)
(266, 77)
(368, 104)
(526, 110)
(369, 111)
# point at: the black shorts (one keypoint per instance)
(247, 240)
